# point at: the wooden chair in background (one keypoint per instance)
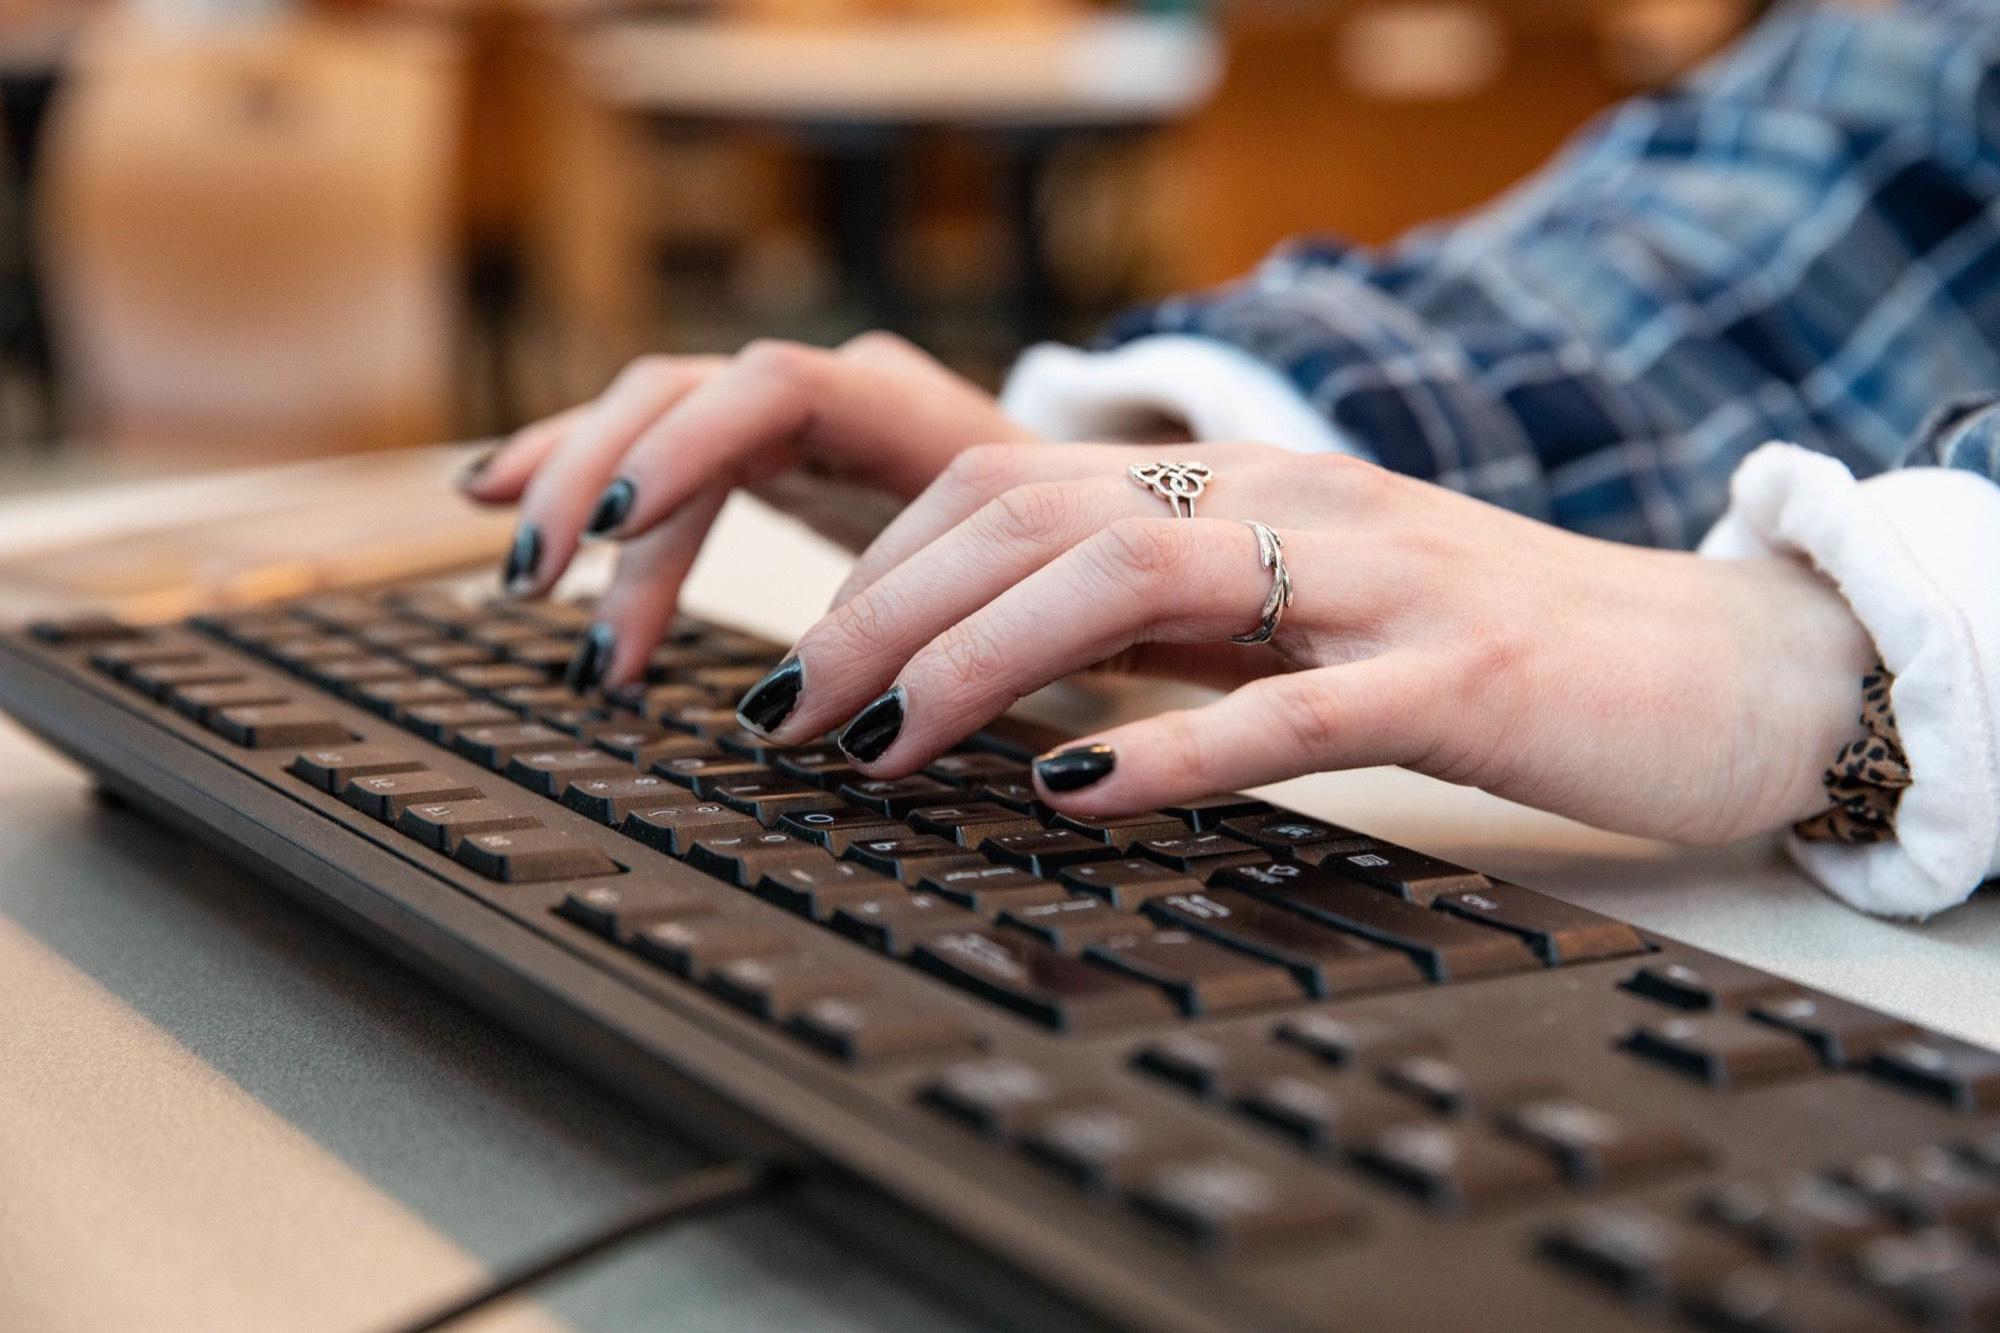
(250, 238)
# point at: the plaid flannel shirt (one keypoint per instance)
(1800, 242)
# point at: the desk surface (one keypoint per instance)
(220, 1112)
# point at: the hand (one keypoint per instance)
(1644, 691)
(652, 459)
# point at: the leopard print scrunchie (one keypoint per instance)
(1866, 780)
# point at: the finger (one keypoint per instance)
(497, 476)
(1154, 579)
(1354, 716)
(564, 494)
(638, 607)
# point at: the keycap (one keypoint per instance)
(896, 923)
(1594, 1147)
(495, 745)
(621, 907)
(1123, 831)
(1024, 975)
(768, 799)
(346, 676)
(277, 726)
(743, 859)
(910, 856)
(1199, 854)
(1209, 812)
(439, 656)
(1935, 1277)
(1106, 1147)
(1323, 1112)
(1963, 1076)
(1459, 1168)
(840, 828)
(332, 769)
(443, 722)
(1222, 1202)
(73, 631)
(692, 947)
(572, 719)
(975, 768)
(1071, 924)
(1015, 795)
(1045, 854)
(442, 826)
(532, 701)
(818, 889)
(1199, 975)
(393, 634)
(1286, 833)
(1714, 983)
(1129, 884)
(1410, 875)
(1929, 1186)
(1344, 1040)
(305, 651)
(1723, 1050)
(777, 988)
(1558, 932)
(609, 800)
(551, 772)
(705, 720)
(1801, 1218)
(118, 658)
(1641, 1255)
(673, 828)
(824, 766)
(972, 823)
(651, 701)
(878, 1028)
(990, 889)
(532, 856)
(394, 698)
(1215, 1069)
(491, 677)
(1449, 1088)
(1843, 1033)
(199, 701)
(630, 738)
(1756, 1299)
(702, 773)
(1447, 948)
(1326, 962)
(159, 679)
(999, 1096)
(897, 796)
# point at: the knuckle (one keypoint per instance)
(967, 656)
(879, 343)
(642, 371)
(788, 364)
(1143, 550)
(986, 469)
(1310, 718)
(1030, 513)
(858, 626)
(1344, 477)
(1178, 740)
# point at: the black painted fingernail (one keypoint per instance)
(1075, 768)
(593, 657)
(477, 468)
(875, 727)
(613, 507)
(766, 705)
(522, 559)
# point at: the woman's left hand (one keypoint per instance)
(1644, 691)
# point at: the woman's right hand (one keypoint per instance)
(651, 460)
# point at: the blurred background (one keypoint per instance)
(240, 232)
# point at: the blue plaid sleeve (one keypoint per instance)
(1800, 242)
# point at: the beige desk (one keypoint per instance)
(217, 1112)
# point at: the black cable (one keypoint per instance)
(710, 1190)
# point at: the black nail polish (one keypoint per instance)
(874, 728)
(1075, 768)
(593, 657)
(522, 559)
(476, 468)
(770, 701)
(613, 507)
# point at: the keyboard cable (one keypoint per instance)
(713, 1189)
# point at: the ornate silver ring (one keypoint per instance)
(1179, 484)
(1271, 555)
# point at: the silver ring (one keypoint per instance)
(1271, 555)
(1179, 484)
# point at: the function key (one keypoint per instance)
(442, 826)
(616, 910)
(1201, 976)
(277, 726)
(1557, 931)
(1210, 812)
(1327, 962)
(532, 856)
(1713, 983)
(1222, 1202)
(332, 769)
(1051, 988)
(877, 1028)
(1963, 1076)
(1594, 1147)
(1844, 1033)
(340, 610)
(385, 796)
(999, 1097)
(1457, 1169)
(1723, 1050)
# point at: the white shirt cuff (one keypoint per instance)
(1217, 391)
(1916, 553)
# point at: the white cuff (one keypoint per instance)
(1217, 391)
(1916, 553)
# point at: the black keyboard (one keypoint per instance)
(1219, 1065)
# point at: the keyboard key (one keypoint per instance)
(990, 889)
(158, 680)
(1350, 1040)
(1714, 983)
(495, 746)
(822, 765)
(1034, 980)
(1935, 1277)
(492, 677)
(877, 1028)
(1457, 1169)
(898, 796)
(346, 676)
(1323, 1112)
(1754, 1299)
(840, 828)
(702, 773)
(1200, 854)
(1927, 1187)
(609, 800)
(117, 659)
(1071, 924)
(76, 631)
(616, 910)
(200, 701)
(394, 698)
(1447, 948)
(1326, 962)
(551, 772)
(1106, 1147)
(704, 720)
(533, 701)
(673, 828)
(1123, 831)
(975, 768)
(970, 824)
(1216, 1070)
(652, 702)
(1595, 1148)
(1283, 832)
(1210, 812)
(1000, 1097)
(1556, 931)
(1127, 885)
(743, 859)
(1202, 977)
(1963, 1076)
(277, 726)
(1411, 876)
(1224, 1203)
(694, 947)
(440, 656)
(443, 826)
(532, 856)
(909, 857)
(1843, 1033)
(768, 799)
(1016, 795)
(1444, 1086)
(777, 988)
(332, 769)
(1800, 1219)
(572, 719)
(1045, 854)
(1640, 1255)
(896, 923)
(1724, 1050)
(443, 722)
(634, 741)
(818, 889)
